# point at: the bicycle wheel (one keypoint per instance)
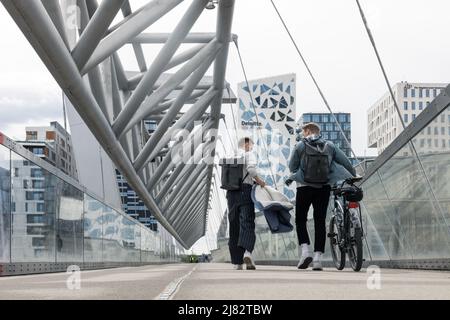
(336, 252)
(355, 252)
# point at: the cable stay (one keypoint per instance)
(317, 86)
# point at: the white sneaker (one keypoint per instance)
(248, 260)
(305, 261)
(317, 264)
(238, 267)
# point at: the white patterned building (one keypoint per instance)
(270, 121)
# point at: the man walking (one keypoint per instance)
(310, 164)
(241, 211)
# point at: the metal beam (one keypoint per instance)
(199, 37)
(54, 11)
(36, 25)
(123, 123)
(163, 58)
(196, 112)
(94, 31)
(148, 15)
(224, 23)
(164, 125)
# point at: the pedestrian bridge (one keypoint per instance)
(406, 210)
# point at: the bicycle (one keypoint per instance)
(345, 228)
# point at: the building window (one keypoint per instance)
(414, 117)
(436, 131)
(325, 118)
(31, 135)
(50, 135)
(429, 130)
(405, 118)
(316, 118)
(422, 143)
(33, 195)
(442, 130)
(420, 105)
(443, 144)
(443, 118)
(342, 118)
(38, 184)
(420, 93)
(306, 118)
(435, 92)
(405, 105)
(26, 206)
(329, 127)
(40, 207)
(413, 93)
(405, 92)
(413, 105)
(333, 135)
(25, 184)
(427, 93)
(36, 173)
(38, 151)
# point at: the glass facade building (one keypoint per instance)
(330, 130)
(47, 217)
(406, 207)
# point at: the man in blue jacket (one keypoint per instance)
(315, 164)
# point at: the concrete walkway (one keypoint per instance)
(219, 281)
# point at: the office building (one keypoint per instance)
(54, 145)
(330, 130)
(384, 124)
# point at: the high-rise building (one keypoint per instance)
(330, 130)
(133, 205)
(54, 145)
(384, 124)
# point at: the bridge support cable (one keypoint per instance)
(322, 95)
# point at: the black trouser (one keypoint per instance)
(241, 216)
(319, 198)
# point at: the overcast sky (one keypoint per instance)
(412, 37)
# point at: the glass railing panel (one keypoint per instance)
(93, 230)
(5, 204)
(34, 198)
(69, 236)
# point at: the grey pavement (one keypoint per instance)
(220, 281)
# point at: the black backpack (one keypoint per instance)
(232, 173)
(317, 166)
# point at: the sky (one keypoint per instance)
(412, 37)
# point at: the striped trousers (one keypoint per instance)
(241, 216)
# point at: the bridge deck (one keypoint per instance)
(219, 281)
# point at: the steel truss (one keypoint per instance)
(177, 194)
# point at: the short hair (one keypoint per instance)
(245, 140)
(312, 126)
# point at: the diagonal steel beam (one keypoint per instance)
(40, 31)
(126, 11)
(163, 58)
(196, 112)
(195, 37)
(54, 11)
(94, 31)
(168, 119)
(149, 14)
(123, 123)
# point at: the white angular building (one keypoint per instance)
(384, 124)
(271, 124)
